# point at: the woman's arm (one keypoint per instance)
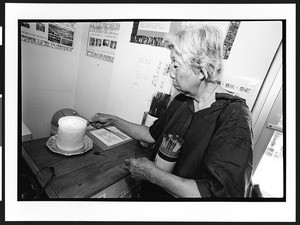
(144, 169)
(136, 131)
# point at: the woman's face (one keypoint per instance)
(184, 79)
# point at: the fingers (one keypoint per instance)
(95, 121)
(129, 163)
(97, 125)
(99, 120)
(97, 115)
(136, 168)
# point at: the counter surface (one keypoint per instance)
(79, 176)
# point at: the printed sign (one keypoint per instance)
(102, 40)
(54, 35)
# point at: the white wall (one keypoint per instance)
(93, 81)
(49, 78)
(254, 48)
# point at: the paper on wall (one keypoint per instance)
(102, 40)
(152, 75)
(54, 35)
(244, 87)
(155, 26)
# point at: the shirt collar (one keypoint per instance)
(221, 100)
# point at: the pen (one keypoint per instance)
(177, 147)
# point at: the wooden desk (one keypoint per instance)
(79, 176)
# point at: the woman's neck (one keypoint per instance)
(205, 96)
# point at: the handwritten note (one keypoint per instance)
(152, 75)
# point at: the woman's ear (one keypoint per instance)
(203, 74)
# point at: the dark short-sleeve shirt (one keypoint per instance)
(217, 147)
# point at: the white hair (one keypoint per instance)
(201, 48)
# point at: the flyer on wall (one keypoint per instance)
(54, 35)
(102, 40)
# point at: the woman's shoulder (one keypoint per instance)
(230, 99)
(234, 105)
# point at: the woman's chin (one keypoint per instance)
(178, 89)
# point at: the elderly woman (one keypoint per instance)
(215, 159)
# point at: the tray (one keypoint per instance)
(51, 144)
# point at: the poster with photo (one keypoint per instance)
(54, 35)
(152, 33)
(102, 40)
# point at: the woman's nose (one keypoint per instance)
(171, 71)
(172, 75)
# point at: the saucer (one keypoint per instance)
(51, 144)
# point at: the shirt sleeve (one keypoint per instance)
(227, 168)
(157, 127)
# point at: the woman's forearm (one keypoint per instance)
(177, 186)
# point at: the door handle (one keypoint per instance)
(274, 127)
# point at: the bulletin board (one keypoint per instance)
(53, 35)
(152, 33)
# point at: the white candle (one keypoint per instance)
(71, 131)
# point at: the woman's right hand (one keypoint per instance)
(100, 120)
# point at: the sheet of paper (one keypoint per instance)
(152, 75)
(53, 35)
(110, 135)
(244, 87)
(155, 26)
(102, 40)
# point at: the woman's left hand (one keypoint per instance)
(140, 168)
